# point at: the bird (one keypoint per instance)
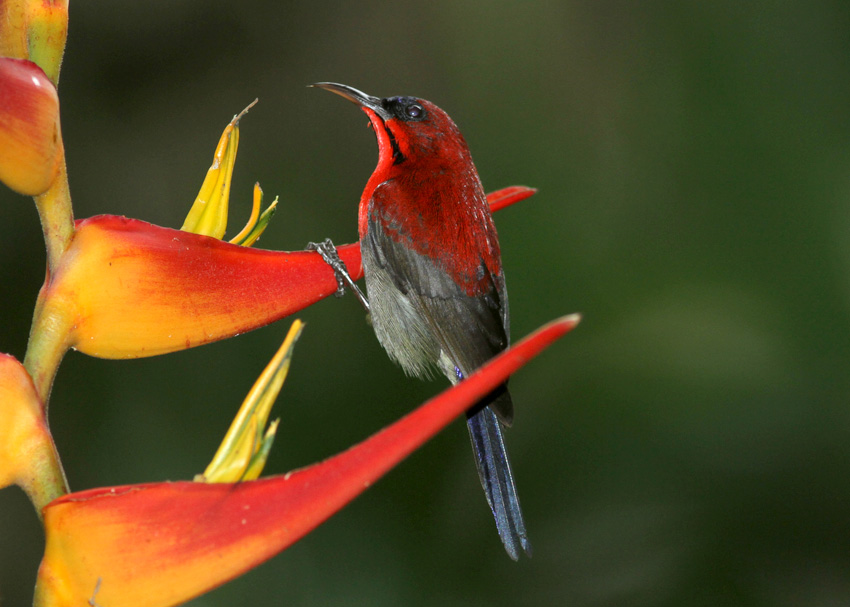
(436, 294)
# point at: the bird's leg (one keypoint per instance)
(329, 253)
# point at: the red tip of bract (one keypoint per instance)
(162, 544)
(30, 142)
(505, 197)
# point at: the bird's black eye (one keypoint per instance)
(408, 109)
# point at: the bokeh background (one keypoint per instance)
(688, 444)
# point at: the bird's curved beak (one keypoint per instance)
(355, 96)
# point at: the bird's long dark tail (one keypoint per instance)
(494, 469)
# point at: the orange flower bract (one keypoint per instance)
(161, 544)
(30, 140)
(27, 454)
(137, 289)
(21, 421)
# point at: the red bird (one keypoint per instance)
(433, 271)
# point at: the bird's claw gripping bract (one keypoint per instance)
(331, 256)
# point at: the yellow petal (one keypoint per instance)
(257, 223)
(252, 220)
(258, 462)
(243, 452)
(208, 215)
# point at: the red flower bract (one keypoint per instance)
(137, 289)
(161, 544)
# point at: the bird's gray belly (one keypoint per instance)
(398, 322)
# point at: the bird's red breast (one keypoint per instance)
(428, 197)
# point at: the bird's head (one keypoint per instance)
(409, 129)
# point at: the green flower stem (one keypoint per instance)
(49, 340)
(45, 480)
(46, 35)
(57, 217)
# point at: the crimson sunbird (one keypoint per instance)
(433, 271)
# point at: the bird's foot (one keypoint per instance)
(329, 253)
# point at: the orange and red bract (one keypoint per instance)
(501, 199)
(161, 544)
(140, 289)
(30, 141)
(23, 429)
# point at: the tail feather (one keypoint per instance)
(494, 470)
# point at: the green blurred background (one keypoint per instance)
(688, 444)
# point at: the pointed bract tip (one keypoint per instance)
(570, 319)
(505, 197)
(239, 116)
(561, 325)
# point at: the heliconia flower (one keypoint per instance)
(243, 453)
(30, 139)
(208, 215)
(35, 30)
(129, 288)
(27, 453)
(160, 544)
